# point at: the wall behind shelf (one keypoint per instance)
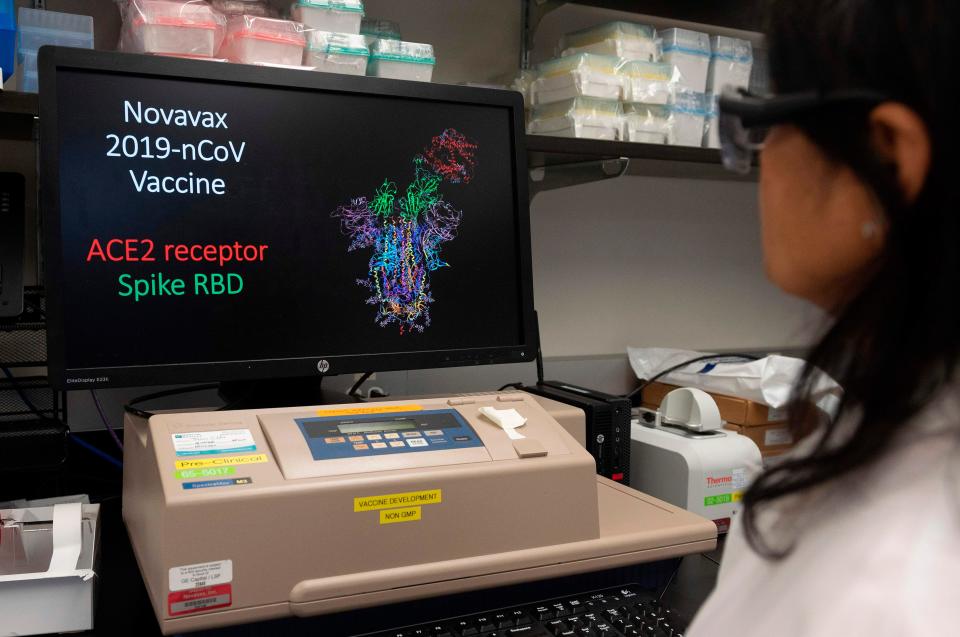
(657, 262)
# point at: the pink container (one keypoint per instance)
(256, 40)
(172, 27)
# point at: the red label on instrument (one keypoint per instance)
(198, 600)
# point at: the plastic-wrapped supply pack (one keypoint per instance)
(39, 27)
(581, 75)
(171, 27)
(689, 112)
(373, 29)
(401, 60)
(523, 84)
(689, 53)
(256, 40)
(627, 40)
(647, 82)
(647, 123)
(345, 53)
(711, 130)
(259, 8)
(731, 60)
(334, 16)
(579, 117)
(768, 380)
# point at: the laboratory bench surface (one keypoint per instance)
(122, 605)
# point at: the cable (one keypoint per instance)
(706, 357)
(23, 396)
(707, 557)
(95, 451)
(103, 417)
(670, 581)
(360, 381)
(39, 414)
(511, 386)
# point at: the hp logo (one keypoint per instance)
(323, 366)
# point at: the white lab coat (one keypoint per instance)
(877, 555)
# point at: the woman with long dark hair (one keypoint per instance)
(858, 531)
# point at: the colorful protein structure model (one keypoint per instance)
(406, 230)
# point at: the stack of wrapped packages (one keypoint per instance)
(320, 35)
(623, 81)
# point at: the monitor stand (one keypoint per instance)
(279, 392)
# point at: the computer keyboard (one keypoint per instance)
(627, 611)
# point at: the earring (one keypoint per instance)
(869, 229)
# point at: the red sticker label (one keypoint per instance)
(723, 525)
(197, 600)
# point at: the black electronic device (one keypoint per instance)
(607, 424)
(226, 222)
(12, 211)
(628, 611)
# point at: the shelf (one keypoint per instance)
(731, 14)
(17, 113)
(17, 103)
(654, 160)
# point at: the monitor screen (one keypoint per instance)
(216, 222)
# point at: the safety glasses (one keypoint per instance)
(744, 119)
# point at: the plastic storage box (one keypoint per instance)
(628, 40)
(165, 27)
(37, 28)
(689, 113)
(648, 123)
(30, 79)
(334, 16)
(259, 8)
(579, 117)
(401, 60)
(689, 53)
(711, 131)
(731, 60)
(581, 75)
(336, 52)
(256, 40)
(8, 39)
(373, 29)
(647, 82)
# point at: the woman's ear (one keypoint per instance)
(901, 136)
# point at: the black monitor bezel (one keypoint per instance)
(53, 58)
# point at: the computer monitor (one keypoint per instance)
(207, 221)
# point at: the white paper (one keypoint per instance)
(67, 540)
(507, 419)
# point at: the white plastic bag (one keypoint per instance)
(768, 380)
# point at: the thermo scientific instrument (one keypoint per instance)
(682, 454)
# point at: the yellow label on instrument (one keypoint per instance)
(392, 516)
(396, 500)
(200, 463)
(367, 411)
(737, 496)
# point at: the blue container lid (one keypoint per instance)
(8, 39)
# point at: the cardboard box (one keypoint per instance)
(737, 411)
(773, 439)
(47, 560)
